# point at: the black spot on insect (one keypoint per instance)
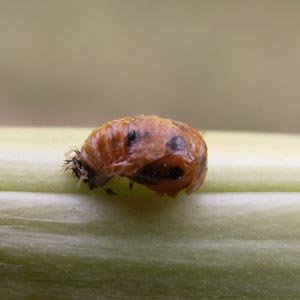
(133, 137)
(177, 143)
(148, 174)
(174, 173)
(155, 173)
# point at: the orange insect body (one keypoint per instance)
(164, 155)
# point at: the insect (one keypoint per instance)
(164, 155)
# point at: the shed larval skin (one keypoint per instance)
(166, 156)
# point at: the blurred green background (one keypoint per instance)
(230, 65)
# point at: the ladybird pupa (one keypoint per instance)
(166, 156)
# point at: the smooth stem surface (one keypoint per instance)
(31, 160)
(210, 246)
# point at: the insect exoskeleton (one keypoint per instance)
(166, 156)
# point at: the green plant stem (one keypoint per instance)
(31, 160)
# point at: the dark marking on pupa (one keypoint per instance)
(177, 143)
(133, 137)
(155, 173)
